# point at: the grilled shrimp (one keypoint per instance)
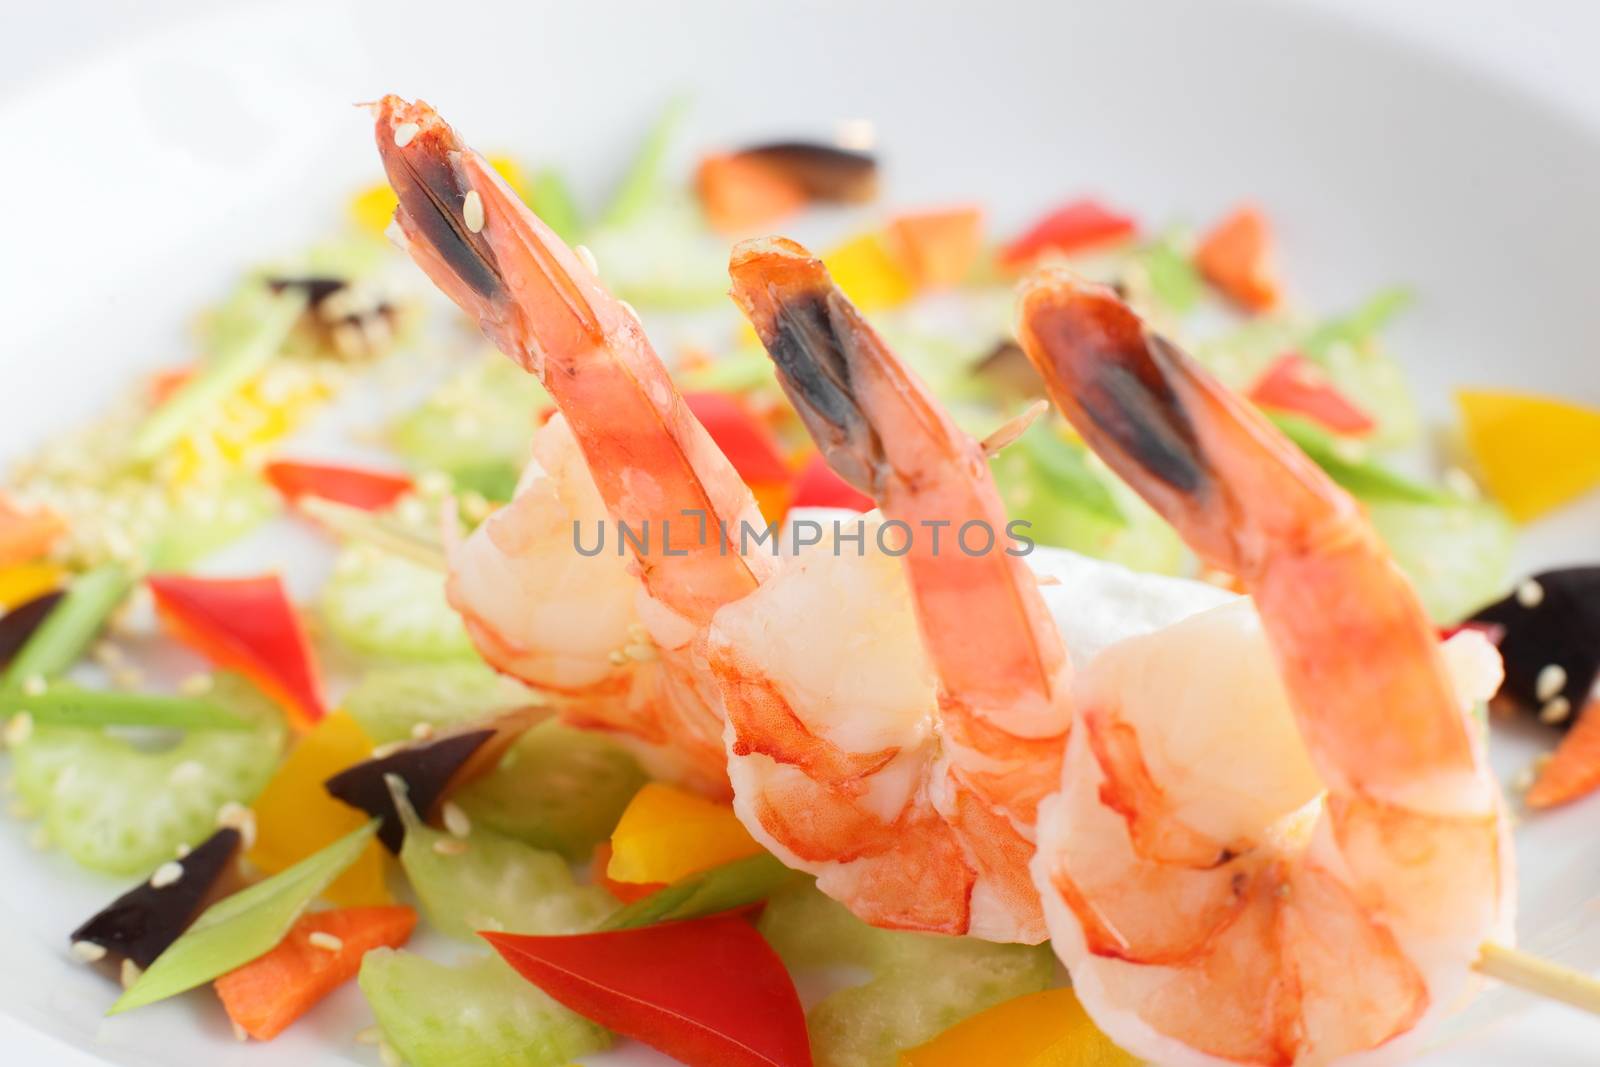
(629, 449)
(1277, 840)
(893, 723)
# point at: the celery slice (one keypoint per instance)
(60, 640)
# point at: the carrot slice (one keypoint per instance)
(272, 991)
(738, 192)
(1574, 768)
(1236, 257)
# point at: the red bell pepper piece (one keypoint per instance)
(163, 383)
(820, 487)
(747, 443)
(367, 489)
(246, 625)
(1071, 227)
(1295, 384)
(710, 992)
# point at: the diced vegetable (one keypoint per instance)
(22, 582)
(1348, 350)
(739, 193)
(869, 273)
(381, 604)
(1236, 257)
(744, 439)
(481, 419)
(921, 984)
(66, 631)
(937, 248)
(1536, 452)
(732, 885)
(705, 991)
(642, 185)
(1296, 385)
(355, 486)
(627, 892)
(1548, 633)
(1458, 556)
(247, 625)
(372, 208)
(390, 702)
(1073, 227)
(141, 923)
(1048, 1029)
(240, 928)
(482, 880)
(475, 1014)
(115, 807)
(819, 487)
(321, 952)
(63, 704)
(1170, 276)
(556, 788)
(1574, 768)
(296, 817)
(667, 833)
(26, 533)
(199, 524)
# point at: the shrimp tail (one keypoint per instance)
(814, 337)
(1202, 457)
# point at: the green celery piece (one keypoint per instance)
(1360, 324)
(240, 928)
(553, 202)
(732, 885)
(1064, 467)
(68, 705)
(642, 183)
(71, 625)
(249, 334)
(390, 701)
(493, 479)
(238, 507)
(1173, 279)
(1366, 478)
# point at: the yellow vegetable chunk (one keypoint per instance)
(1048, 1029)
(296, 817)
(1536, 453)
(667, 833)
(373, 208)
(26, 581)
(869, 273)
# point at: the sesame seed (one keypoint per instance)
(628, 308)
(20, 809)
(196, 685)
(617, 656)
(239, 1033)
(88, 951)
(1552, 679)
(472, 211)
(1461, 484)
(130, 973)
(187, 772)
(1349, 451)
(455, 820)
(638, 632)
(34, 685)
(449, 846)
(641, 653)
(369, 1036)
(324, 940)
(389, 1056)
(107, 654)
(348, 340)
(127, 678)
(405, 133)
(422, 731)
(235, 816)
(586, 257)
(1557, 710)
(1530, 594)
(18, 729)
(166, 874)
(387, 749)
(182, 851)
(434, 483)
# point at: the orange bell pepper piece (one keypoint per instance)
(1236, 257)
(1574, 767)
(739, 193)
(1536, 453)
(1048, 1029)
(667, 833)
(322, 952)
(295, 815)
(937, 248)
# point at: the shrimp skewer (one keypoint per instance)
(907, 773)
(1227, 882)
(628, 448)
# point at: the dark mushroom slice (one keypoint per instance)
(432, 769)
(1549, 637)
(1009, 370)
(826, 172)
(140, 924)
(18, 624)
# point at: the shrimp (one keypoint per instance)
(1277, 839)
(628, 448)
(893, 723)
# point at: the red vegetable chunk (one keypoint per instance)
(820, 487)
(747, 443)
(1070, 228)
(709, 992)
(366, 489)
(1295, 384)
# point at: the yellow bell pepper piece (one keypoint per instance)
(295, 816)
(869, 273)
(1536, 453)
(667, 833)
(512, 172)
(25, 581)
(1048, 1029)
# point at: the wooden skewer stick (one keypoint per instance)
(391, 537)
(1540, 977)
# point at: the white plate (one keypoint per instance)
(137, 185)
